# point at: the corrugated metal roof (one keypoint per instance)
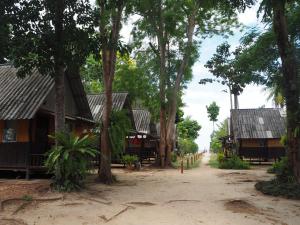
(21, 98)
(257, 123)
(97, 101)
(142, 120)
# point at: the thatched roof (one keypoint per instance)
(264, 123)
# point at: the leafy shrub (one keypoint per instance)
(173, 157)
(220, 157)
(120, 125)
(232, 163)
(129, 160)
(278, 188)
(68, 161)
(187, 146)
(278, 166)
(282, 171)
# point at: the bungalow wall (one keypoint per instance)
(260, 148)
(14, 153)
(31, 141)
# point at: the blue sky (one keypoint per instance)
(197, 96)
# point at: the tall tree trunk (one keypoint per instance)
(161, 38)
(109, 56)
(291, 84)
(174, 95)
(59, 68)
(230, 95)
(162, 96)
(236, 101)
(105, 174)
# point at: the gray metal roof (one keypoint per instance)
(97, 101)
(257, 123)
(21, 98)
(142, 120)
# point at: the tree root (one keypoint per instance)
(95, 200)
(12, 221)
(141, 203)
(21, 207)
(4, 202)
(181, 200)
(116, 215)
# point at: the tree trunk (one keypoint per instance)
(59, 83)
(173, 97)
(162, 94)
(109, 57)
(291, 84)
(59, 68)
(230, 95)
(236, 101)
(105, 174)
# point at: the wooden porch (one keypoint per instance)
(20, 156)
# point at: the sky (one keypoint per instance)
(197, 96)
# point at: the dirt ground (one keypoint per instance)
(151, 197)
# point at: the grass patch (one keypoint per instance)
(235, 163)
(213, 161)
(177, 164)
(276, 187)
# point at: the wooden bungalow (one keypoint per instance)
(144, 142)
(257, 132)
(27, 116)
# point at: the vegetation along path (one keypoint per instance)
(199, 196)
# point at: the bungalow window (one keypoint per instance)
(10, 131)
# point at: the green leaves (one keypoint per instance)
(188, 129)
(68, 160)
(33, 42)
(213, 111)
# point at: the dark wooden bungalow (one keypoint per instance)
(257, 132)
(27, 116)
(144, 142)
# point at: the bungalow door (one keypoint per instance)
(41, 135)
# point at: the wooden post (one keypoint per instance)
(29, 150)
(188, 162)
(181, 165)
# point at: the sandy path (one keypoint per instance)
(199, 196)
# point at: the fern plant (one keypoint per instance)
(68, 160)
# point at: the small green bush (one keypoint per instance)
(173, 157)
(68, 161)
(213, 161)
(220, 157)
(278, 167)
(234, 162)
(282, 171)
(129, 160)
